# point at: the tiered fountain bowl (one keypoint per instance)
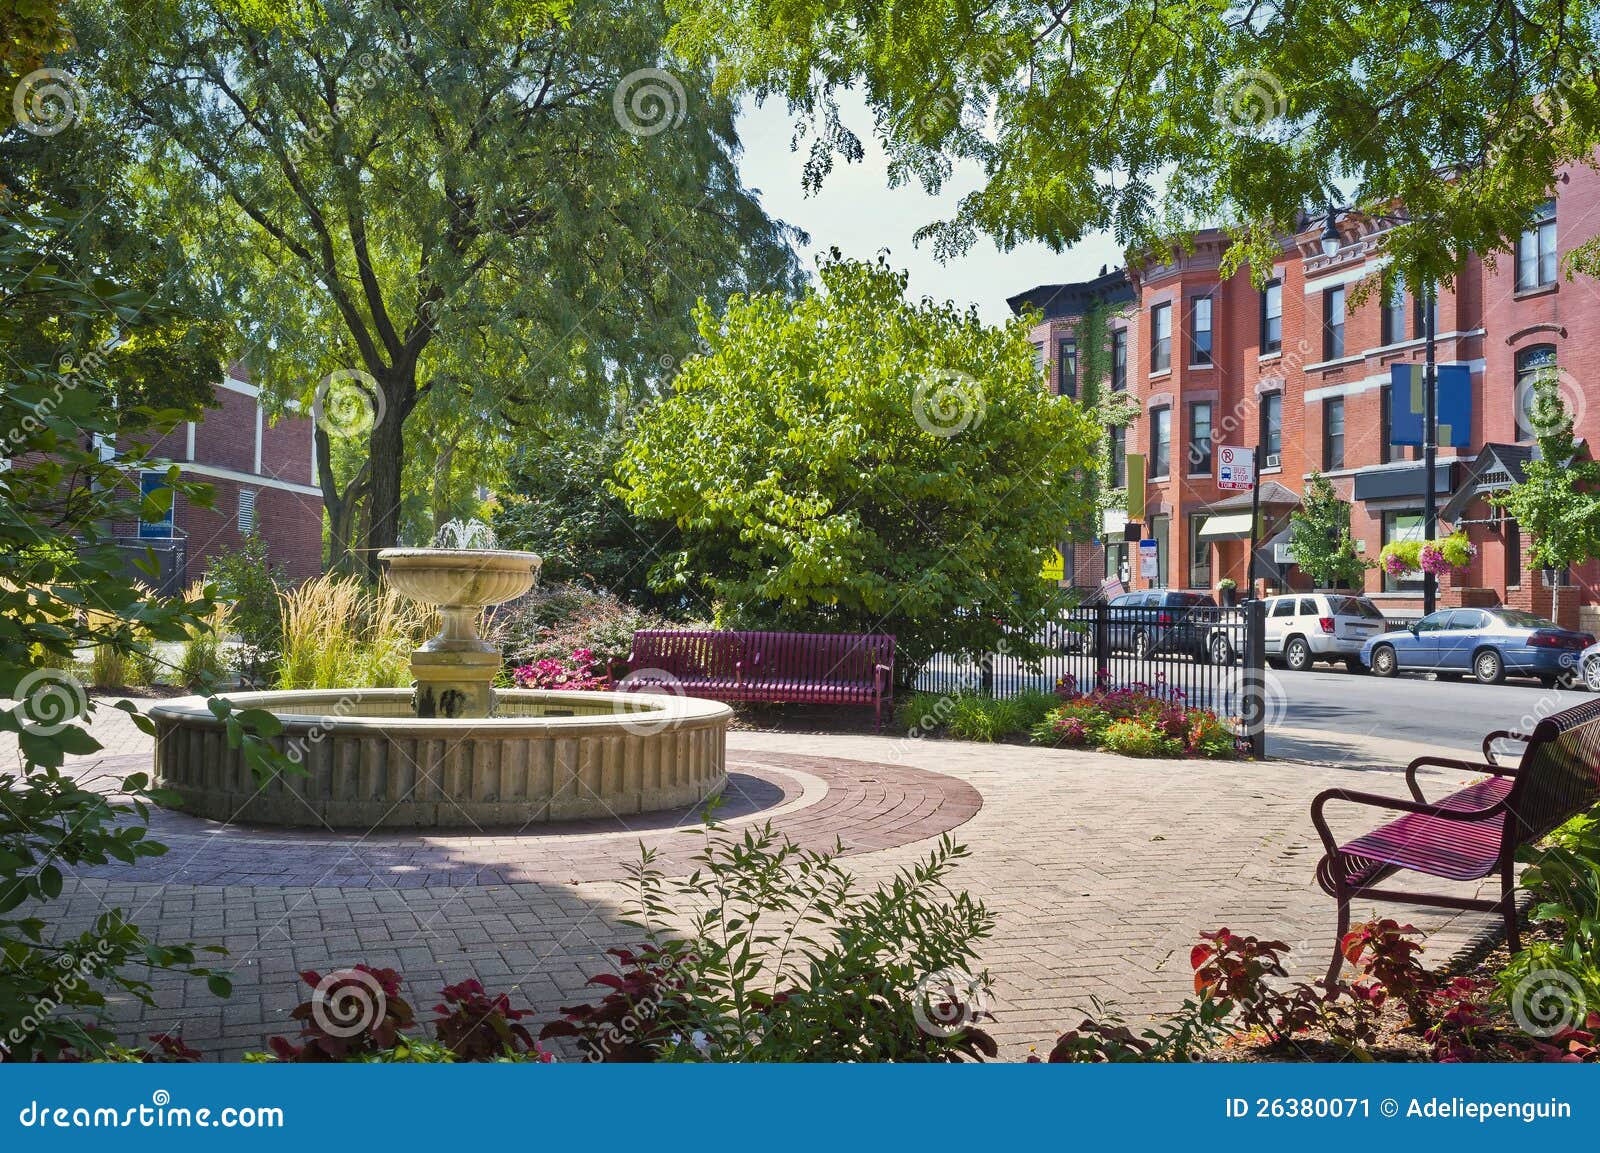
(456, 752)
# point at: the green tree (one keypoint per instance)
(480, 206)
(1150, 119)
(1558, 502)
(858, 462)
(1322, 545)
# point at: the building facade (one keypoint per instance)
(262, 472)
(1303, 370)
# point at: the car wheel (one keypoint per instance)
(1354, 665)
(1222, 652)
(1488, 667)
(1297, 655)
(1591, 674)
(1141, 646)
(1384, 662)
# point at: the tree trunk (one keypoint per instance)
(386, 453)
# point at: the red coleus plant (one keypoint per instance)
(477, 1027)
(1385, 952)
(641, 1012)
(168, 1048)
(352, 1013)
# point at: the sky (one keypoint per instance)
(858, 212)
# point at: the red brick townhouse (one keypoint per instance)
(1301, 369)
(263, 476)
(1063, 310)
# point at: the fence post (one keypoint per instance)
(1102, 646)
(1253, 684)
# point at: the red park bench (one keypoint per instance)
(1472, 833)
(800, 668)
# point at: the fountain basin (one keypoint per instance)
(546, 756)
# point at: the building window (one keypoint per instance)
(1039, 362)
(1272, 317)
(1200, 438)
(1199, 554)
(1067, 367)
(1333, 323)
(247, 511)
(1401, 526)
(1394, 311)
(1333, 434)
(1200, 331)
(1159, 533)
(1117, 561)
(152, 524)
(1119, 359)
(1119, 457)
(1420, 308)
(1536, 249)
(1160, 441)
(1532, 362)
(1161, 338)
(1511, 533)
(1271, 428)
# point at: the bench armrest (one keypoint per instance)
(1501, 735)
(1381, 802)
(1451, 763)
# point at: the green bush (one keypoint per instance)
(1563, 876)
(251, 587)
(1133, 738)
(969, 715)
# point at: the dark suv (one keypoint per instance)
(1162, 621)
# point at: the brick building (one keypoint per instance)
(263, 476)
(1305, 371)
(1064, 311)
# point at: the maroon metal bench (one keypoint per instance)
(800, 668)
(1472, 833)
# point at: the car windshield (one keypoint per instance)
(1355, 607)
(1516, 618)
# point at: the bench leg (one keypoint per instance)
(1338, 943)
(1508, 905)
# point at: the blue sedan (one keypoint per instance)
(1488, 643)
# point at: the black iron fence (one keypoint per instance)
(1210, 658)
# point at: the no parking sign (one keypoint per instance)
(1236, 468)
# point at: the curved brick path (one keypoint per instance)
(866, 806)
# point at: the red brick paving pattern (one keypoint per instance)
(867, 806)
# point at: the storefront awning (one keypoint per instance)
(1232, 526)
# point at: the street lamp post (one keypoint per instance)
(1331, 243)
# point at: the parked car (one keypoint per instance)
(1161, 621)
(1488, 643)
(1589, 667)
(1304, 628)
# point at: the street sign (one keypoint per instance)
(1236, 468)
(1055, 566)
(1149, 560)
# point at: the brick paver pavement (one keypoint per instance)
(1101, 871)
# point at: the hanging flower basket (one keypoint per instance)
(1430, 556)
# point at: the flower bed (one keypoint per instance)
(1137, 720)
(552, 673)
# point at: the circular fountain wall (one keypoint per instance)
(369, 763)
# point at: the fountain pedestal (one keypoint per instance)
(455, 670)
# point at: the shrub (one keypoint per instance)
(552, 622)
(251, 587)
(579, 673)
(785, 958)
(1137, 720)
(1134, 738)
(969, 715)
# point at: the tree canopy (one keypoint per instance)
(472, 211)
(859, 462)
(1558, 502)
(1322, 545)
(1153, 119)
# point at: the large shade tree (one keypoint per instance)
(859, 462)
(486, 206)
(1152, 118)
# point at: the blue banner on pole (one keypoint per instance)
(1455, 405)
(1406, 404)
(1408, 401)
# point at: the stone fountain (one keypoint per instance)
(455, 670)
(454, 752)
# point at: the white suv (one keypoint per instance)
(1303, 628)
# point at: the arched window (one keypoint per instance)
(1531, 362)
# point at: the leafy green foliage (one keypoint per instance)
(440, 196)
(970, 715)
(860, 463)
(786, 958)
(1148, 120)
(251, 586)
(1322, 545)
(1558, 502)
(556, 620)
